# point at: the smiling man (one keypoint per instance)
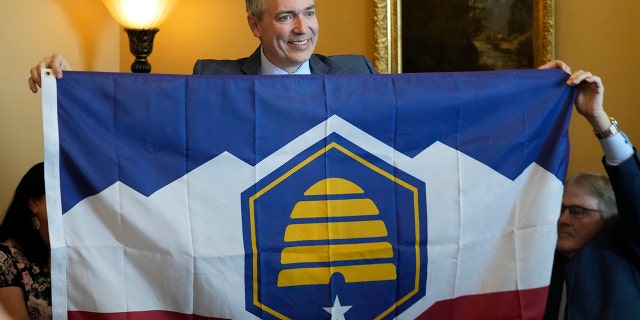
(288, 32)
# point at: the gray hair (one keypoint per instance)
(256, 8)
(597, 186)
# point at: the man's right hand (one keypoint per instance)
(589, 96)
(55, 62)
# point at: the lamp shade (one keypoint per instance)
(140, 14)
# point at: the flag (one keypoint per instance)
(409, 196)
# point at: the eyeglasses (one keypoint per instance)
(576, 212)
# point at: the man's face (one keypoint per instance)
(288, 32)
(576, 229)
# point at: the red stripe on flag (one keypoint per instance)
(138, 315)
(522, 304)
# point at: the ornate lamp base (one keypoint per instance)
(141, 45)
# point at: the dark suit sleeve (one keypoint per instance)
(625, 179)
(197, 67)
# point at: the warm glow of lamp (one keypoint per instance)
(140, 19)
(140, 14)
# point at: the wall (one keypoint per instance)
(595, 35)
(601, 37)
(29, 30)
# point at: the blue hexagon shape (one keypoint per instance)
(335, 222)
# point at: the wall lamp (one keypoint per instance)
(140, 19)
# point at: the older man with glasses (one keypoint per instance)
(596, 270)
(588, 203)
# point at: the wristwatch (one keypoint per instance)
(613, 129)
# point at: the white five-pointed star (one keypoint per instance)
(337, 311)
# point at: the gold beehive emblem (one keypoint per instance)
(351, 226)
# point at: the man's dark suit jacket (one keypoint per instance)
(319, 64)
(603, 278)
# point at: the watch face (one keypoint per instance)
(613, 129)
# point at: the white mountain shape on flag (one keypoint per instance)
(181, 248)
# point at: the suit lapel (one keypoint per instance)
(251, 64)
(317, 66)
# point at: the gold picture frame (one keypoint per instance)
(388, 36)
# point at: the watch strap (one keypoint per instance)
(612, 130)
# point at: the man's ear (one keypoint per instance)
(254, 26)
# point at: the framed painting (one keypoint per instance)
(462, 35)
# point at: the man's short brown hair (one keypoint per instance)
(256, 8)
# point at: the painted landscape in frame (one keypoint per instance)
(462, 35)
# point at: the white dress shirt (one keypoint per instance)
(617, 149)
(268, 68)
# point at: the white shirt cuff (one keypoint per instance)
(617, 149)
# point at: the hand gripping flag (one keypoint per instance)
(412, 196)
